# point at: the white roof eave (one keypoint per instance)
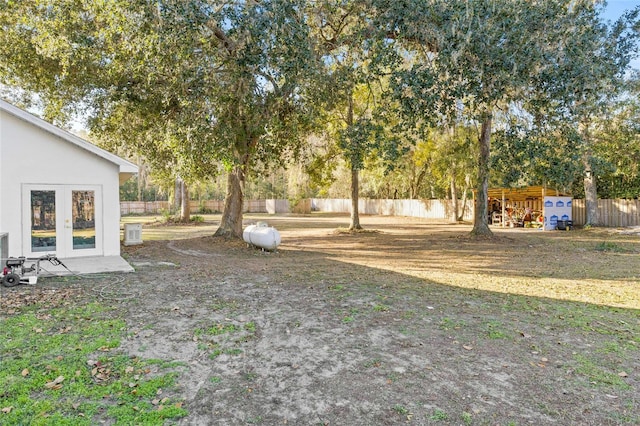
(124, 165)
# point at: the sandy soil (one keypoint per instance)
(411, 322)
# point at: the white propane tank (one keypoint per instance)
(262, 235)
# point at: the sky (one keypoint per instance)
(615, 8)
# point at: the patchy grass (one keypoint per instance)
(428, 325)
(223, 338)
(609, 246)
(62, 366)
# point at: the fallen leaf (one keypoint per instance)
(128, 370)
(56, 384)
(58, 380)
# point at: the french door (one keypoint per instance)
(65, 220)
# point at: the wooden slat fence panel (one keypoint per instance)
(208, 206)
(578, 212)
(613, 212)
(142, 207)
(428, 209)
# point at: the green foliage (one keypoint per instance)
(609, 246)
(546, 61)
(194, 89)
(197, 218)
(129, 191)
(400, 409)
(618, 148)
(439, 415)
(524, 156)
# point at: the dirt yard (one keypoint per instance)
(411, 322)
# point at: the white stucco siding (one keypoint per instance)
(31, 155)
(1, 172)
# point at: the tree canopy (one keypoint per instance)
(194, 86)
(475, 59)
(202, 87)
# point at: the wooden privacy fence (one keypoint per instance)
(427, 209)
(209, 206)
(142, 207)
(613, 213)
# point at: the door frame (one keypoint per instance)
(64, 226)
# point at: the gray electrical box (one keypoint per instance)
(4, 246)
(132, 234)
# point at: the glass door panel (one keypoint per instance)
(83, 209)
(43, 221)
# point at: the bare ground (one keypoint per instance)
(411, 322)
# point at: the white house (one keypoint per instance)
(59, 194)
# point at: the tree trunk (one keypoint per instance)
(480, 220)
(140, 179)
(185, 203)
(355, 216)
(355, 181)
(465, 194)
(231, 222)
(177, 194)
(416, 183)
(590, 192)
(454, 197)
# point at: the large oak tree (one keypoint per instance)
(475, 58)
(192, 85)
